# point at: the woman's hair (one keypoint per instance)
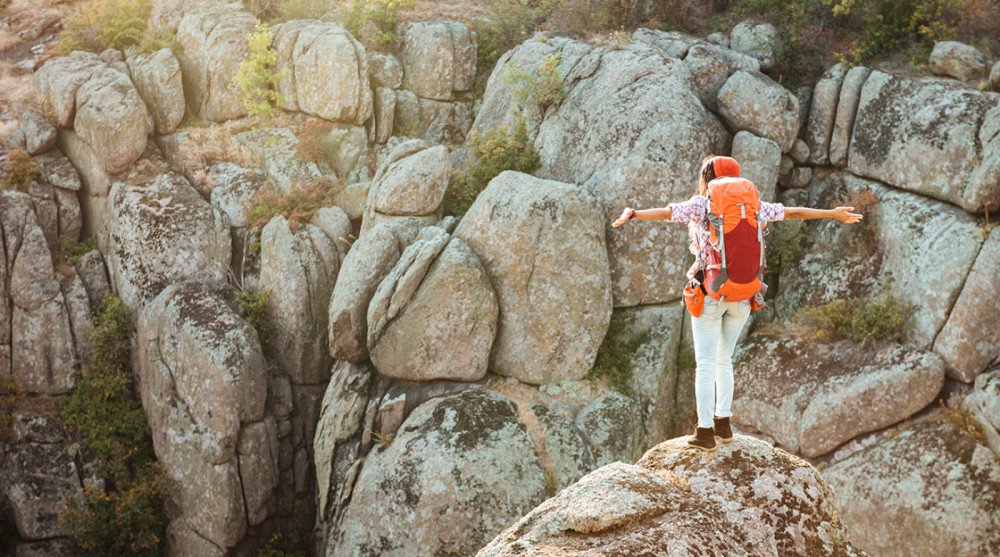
(707, 175)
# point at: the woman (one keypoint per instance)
(716, 330)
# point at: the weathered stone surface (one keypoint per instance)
(385, 111)
(182, 541)
(613, 426)
(55, 547)
(631, 130)
(203, 386)
(984, 404)
(326, 71)
(930, 138)
(161, 232)
(926, 489)
(444, 122)
(157, 77)
(757, 39)
(809, 402)
(234, 188)
(406, 121)
(39, 480)
(58, 171)
(542, 244)
(439, 57)
(91, 270)
(958, 60)
(752, 102)
(434, 315)
(100, 103)
(165, 15)
(847, 109)
(212, 41)
(748, 499)
(822, 112)
(39, 133)
(461, 468)
(274, 150)
(760, 162)
(995, 76)
(371, 258)
(969, 340)
(384, 70)
(711, 66)
(299, 269)
(899, 243)
(411, 181)
(36, 324)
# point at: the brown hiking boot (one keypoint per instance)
(703, 439)
(722, 430)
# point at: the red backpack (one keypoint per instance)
(735, 268)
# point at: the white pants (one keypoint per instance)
(715, 334)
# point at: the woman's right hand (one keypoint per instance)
(627, 215)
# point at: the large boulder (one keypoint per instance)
(325, 71)
(796, 393)
(99, 102)
(931, 138)
(461, 468)
(613, 426)
(898, 245)
(371, 258)
(925, 489)
(822, 112)
(36, 332)
(753, 102)
(39, 480)
(298, 270)
(969, 341)
(157, 77)
(410, 182)
(757, 39)
(39, 133)
(203, 385)
(542, 244)
(747, 499)
(847, 109)
(958, 60)
(166, 15)
(711, 66)
(435, 315)
(213, 42)
(760, 162)
(984, 404)
(275, 150)
(439, 57)
(630, 128)
(162, 231)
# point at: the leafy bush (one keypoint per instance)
(493, 151)
(614, 357)
(882, 316)
(75, 250)
(888, 25)
(384, 14)
(298, 205)
(541, 89)
(22, 170)
(124, 517)
(315, 144)
(257, 77)
(507, 24)
(253, 304)
(287, 10)
(96, 25)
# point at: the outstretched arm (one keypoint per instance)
(646, 214)
(843, 214)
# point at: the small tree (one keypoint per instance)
(257, 76)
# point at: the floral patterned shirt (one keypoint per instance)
(693, 212)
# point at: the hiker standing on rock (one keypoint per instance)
(727, 221)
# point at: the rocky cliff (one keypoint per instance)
(423, 381)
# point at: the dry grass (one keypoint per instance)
(953, 412)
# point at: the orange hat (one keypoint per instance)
(726, 166)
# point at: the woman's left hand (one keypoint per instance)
(844, 215)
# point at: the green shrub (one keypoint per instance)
(383, 13)
(493, 152)
(507, 24)
(541, 89)
(125, 516)
(96, 25)
(75, 250)
(297, 205)
(22, 170)
(889, 25)
(315, 144)
(881, 316)
(257, 77)
(614, 357)
(253, 305)
(786, 243)
(287, 10)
